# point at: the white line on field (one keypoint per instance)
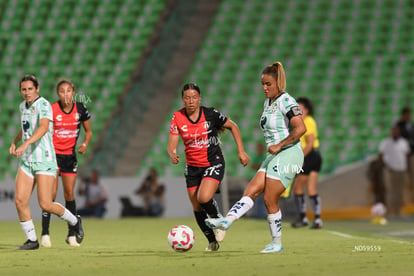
(341, 234)
(402, 242)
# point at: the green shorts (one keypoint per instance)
(33, 168)
(284, 165)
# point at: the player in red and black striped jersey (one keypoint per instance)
(68, 116)
(199, 127)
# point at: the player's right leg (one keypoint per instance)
(24, 186)
(241, 207)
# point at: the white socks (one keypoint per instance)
(240, 208)
(69, 217)
(29, 230)
(275, 226)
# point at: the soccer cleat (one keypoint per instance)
(79, 230)
(317, 224)
(71, 240)
(272, 248)
(300, 223)
(45, 241)
(29, 245)
(218, 223)
(212, 246)
(219, 234)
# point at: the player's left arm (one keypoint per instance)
(298, 129)
(88, 136)
(235, 131)
(37, 134)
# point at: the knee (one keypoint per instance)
(202, 199)
(44, 205)
(69, 196)
(20, 203)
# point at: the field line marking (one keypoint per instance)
(340, 234)
(402, 241)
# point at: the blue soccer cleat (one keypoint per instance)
(273, 248)
(218, 223)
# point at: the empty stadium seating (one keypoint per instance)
(352, 58)
(95, 43)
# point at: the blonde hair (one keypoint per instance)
(278, 73)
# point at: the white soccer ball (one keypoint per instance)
(181, 238)
(378, 210)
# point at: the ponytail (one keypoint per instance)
(278, 73)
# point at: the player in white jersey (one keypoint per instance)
(37, 164)
(282, 127)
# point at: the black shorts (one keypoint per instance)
(67, 163)
(312, 162)
(194, 175)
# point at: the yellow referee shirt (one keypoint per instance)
(311, 128)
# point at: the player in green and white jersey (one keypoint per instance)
(282, 127)
(37, 164)
(42, 150)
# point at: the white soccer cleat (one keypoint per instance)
(71, 240)
(219, 234)
(273, 248)
(45, 241)
(218, 223)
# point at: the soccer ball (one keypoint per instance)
(378, 210)
(181, 238)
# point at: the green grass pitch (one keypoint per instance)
(139, 247)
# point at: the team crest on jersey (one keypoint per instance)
(207, 125)
(26, 126)
(77, 116)
(263, 121)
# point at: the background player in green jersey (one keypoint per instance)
(282, 127)
(37, 164)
